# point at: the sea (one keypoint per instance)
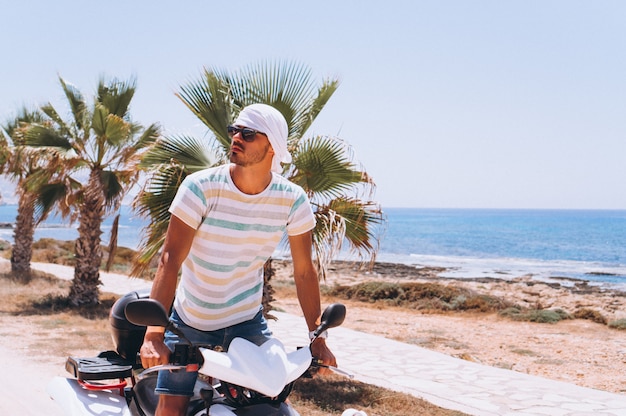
(567, 246)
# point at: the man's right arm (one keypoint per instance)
(175, 249)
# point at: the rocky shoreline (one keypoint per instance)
(564, 293)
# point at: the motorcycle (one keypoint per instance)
(247, 380)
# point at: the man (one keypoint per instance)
(226, 222)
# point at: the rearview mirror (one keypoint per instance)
(332, 316)
(146, 312)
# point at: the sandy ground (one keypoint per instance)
(24, 379)
(576, 351)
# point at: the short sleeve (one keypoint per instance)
(301, 218)
(189, 204)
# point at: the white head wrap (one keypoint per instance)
(270, 121)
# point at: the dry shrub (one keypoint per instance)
(60, 303)
(44, 294)
(49, 250)
(18, 296)
(590, 314)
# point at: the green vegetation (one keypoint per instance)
(420, 296)
(546, 316)
(436, 297)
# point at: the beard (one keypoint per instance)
(246, 158)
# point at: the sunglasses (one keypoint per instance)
(247, 134)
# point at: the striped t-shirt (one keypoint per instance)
(222, 277)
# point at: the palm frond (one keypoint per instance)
(63, 128)
(99, 119)
(148, 252)
(153, 202)
(149, 136)
(324, 93)
(328, 236)
(48, 196)
(15, 126)
(44, 136)
(322, 166)
(344, 219)
(116, 95)
(155, 199)
(77, 104)
(117, 131)
(361, 219)
(113, 188)
(283, 85)
(188, 151)
(209, 99)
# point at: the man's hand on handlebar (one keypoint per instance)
(153, 351)
(320, 351)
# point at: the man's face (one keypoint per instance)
(246, 153)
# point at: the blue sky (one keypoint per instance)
(459, 104)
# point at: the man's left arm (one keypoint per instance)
(308, 291)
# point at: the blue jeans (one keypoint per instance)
(181, 383)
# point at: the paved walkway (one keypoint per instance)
(445, 381)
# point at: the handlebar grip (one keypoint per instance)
(317, 363)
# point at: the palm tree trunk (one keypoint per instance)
(268, 290)
(23, 236)
(84, 290)
(113, 242)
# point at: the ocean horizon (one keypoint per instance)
(545, 244)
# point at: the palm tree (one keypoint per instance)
(27, 169)
(101, 147)
(323, 165)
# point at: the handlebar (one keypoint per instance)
(317, 363)
(147, 371)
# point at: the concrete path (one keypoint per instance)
(116, 283)
(445, 381)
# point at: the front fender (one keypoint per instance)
(266, 369)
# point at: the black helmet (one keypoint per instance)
(127, 337)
